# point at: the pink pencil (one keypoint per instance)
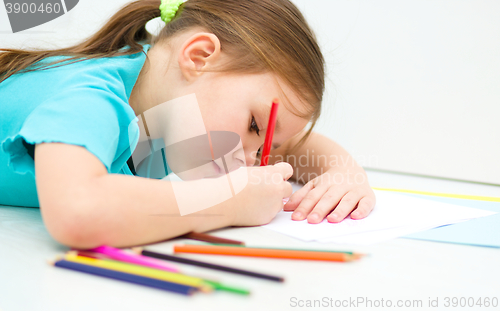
(118, 254)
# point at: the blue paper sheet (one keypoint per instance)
(483, 231)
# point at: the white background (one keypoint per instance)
(413, 86)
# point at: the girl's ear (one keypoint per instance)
(197, 53)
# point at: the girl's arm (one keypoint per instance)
(83, 206)
(335, 184)
(315, 157)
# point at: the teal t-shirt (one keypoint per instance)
(84, 104)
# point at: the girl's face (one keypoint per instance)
(241, 104)
(231, 102)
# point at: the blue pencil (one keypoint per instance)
(141, 280)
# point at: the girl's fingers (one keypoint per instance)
(287, 189)
(325, 205)
(298, 196)
(285, 169)
(345, 206)
(308, 203)
(365, 206)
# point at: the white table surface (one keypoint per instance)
(398, 270)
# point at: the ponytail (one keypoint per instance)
(126, 28)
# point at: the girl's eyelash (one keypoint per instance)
(254, 126)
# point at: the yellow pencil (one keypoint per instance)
(445, 195)
(139, 270)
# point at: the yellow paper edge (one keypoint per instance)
(445, 195)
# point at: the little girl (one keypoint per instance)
(69, 122)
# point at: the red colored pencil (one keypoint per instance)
(269, 134)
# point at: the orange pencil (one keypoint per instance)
(264, 252)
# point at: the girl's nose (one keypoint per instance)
(238, 159)
(251, 156)
(241, 157)
(232, 161)
(251, 149)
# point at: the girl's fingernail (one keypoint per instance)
(334, 216)
(297, 215)
(314, 217)
(355, 214)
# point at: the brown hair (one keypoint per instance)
(258, 35)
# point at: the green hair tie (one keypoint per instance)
(168, 8)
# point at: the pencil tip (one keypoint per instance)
(53, 261)
(137, 250)
(359, 256)
(206, 289)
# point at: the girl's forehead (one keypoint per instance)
(271, 85)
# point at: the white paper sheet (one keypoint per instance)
(377, 236)
(394, 215)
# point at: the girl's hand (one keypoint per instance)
(262, 198)
(334, 195)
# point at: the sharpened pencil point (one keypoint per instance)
(137, 250)
(53, 262)
(206, 289)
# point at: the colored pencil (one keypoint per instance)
(90, 254)
(140, 270)
(263, 252)
(120, 255)
(231, 289)
(210, 238)
(136, 279)
(159, 274)
(269, 134)
(208, 265)
(445, 195)
(288, 249)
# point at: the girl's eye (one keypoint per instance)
(254, 127)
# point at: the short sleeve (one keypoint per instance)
(86, 116)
